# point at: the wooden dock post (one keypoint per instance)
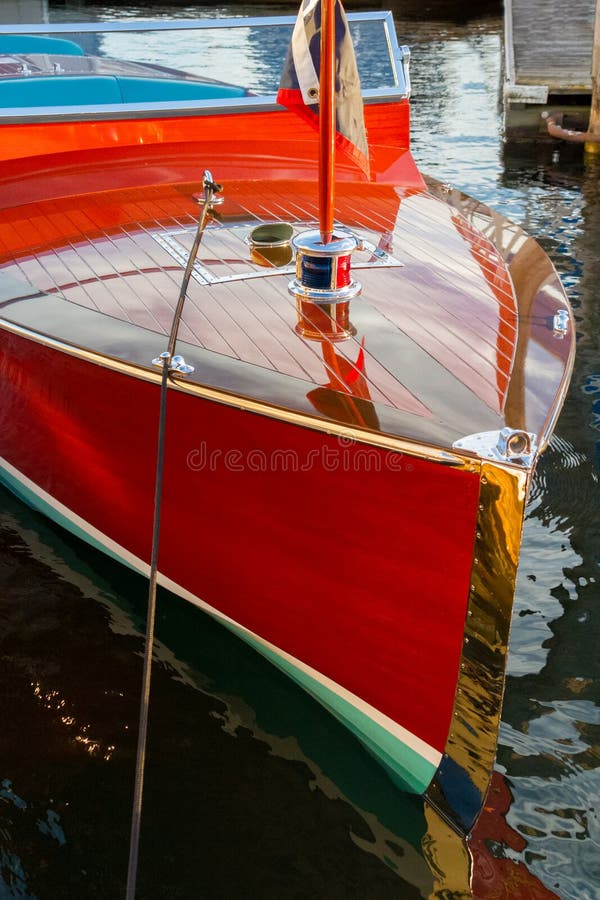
(594, 126)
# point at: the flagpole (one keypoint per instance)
(327, 121)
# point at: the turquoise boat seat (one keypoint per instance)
(31, 43)
(97, 90)
(148, 90)
(68, 90)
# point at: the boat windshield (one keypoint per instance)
(246, 52)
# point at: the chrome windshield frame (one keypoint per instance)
(14, 115)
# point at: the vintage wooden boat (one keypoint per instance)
(344, 475)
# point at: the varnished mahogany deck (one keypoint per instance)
(437, 322)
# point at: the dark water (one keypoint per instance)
(252, 790)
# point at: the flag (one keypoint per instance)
(299, 87)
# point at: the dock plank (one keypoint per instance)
(551, 43)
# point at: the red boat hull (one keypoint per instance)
(334, 552)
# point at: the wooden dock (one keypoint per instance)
(547, 63)
(548, 49)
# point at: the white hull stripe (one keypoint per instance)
(35, 496)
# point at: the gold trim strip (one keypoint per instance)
(460, 785)
(385, 441)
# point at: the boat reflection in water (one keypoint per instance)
(351, 432)
(215, 699)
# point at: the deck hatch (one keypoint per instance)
(226, 254)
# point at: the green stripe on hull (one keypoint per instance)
(30, 498)
(405, 766)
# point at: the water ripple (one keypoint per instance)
(559, 819)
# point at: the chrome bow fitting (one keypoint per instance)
(323, 286)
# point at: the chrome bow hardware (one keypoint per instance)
(507, 445)
(211, 189)
(174, 363)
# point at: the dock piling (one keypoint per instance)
(594, 126)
